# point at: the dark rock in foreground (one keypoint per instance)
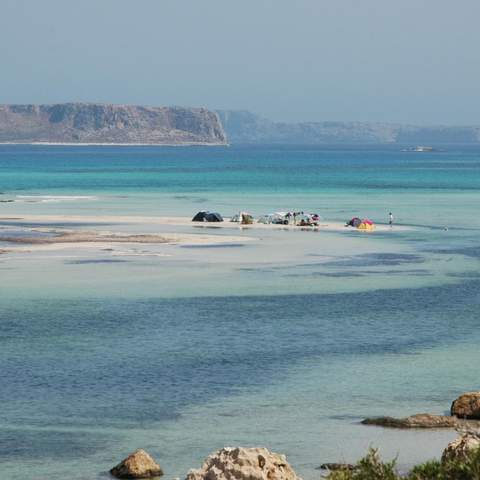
(467, 406)
(139, 464)
(98, 123)
(244, 464)
(421, 420)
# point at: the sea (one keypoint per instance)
(285, 340)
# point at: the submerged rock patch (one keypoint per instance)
(421, 420)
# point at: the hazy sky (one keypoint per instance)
(415, 61)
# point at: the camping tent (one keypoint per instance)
(205, 216)
(276, 218)
(354, 222)
(200, 216)
(242, 217)
(307, 220)
(366, 225)
(247, 219)
(213, 217)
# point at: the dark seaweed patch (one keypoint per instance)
(471, 251)
(376, 259)
(46, 443)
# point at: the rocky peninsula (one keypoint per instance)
(94, 123)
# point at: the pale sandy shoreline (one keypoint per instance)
(102, 234)
(186, 221)
(62, 239)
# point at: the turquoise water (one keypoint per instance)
(287, 340)
(153, 180)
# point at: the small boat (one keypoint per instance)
(419, 148)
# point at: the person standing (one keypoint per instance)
(390, 219)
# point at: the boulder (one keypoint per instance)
(460, 447)
(467, 406)
(421, 420)
(244, 464)
(138, 464)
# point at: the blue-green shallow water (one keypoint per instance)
(265, 343)
(156, 180)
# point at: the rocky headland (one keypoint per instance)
(93, 123)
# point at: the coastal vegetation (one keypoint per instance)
(460, 461)
(372, 467)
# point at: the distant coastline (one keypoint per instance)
(96, 124)
(244, 127)
(100, 124)
(118, 144)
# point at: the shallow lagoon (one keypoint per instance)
(287, 341)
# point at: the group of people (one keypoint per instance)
(314, 218)
(305, 219)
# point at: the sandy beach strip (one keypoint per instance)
(184, 221)
(81, 239)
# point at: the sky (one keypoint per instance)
(408, 61)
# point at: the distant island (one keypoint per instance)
(93, 123)
(248, 128)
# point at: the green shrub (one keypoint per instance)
(431, 470)
(467, 469)
(368, 468)
(371, 467)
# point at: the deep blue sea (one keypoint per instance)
(285, 341)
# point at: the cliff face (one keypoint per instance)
(246, 127)
(98, 123)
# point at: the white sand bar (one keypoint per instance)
(184, 221)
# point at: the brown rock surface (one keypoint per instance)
(107, 123)
(139, 464)
(244, 464)
(421, 420)
(460, 447)
(467, 406)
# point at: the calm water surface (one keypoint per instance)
(287, 341)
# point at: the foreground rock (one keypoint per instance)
(460, 447)
(467, 406)
(421, 420)
(244, 464)
(139, 464)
